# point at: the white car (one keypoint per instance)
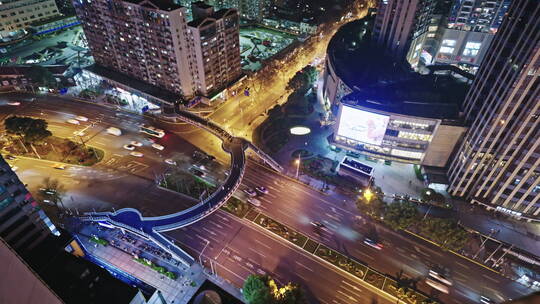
(135, 143)
(81, 118)
(73, 121)
(13, 103)
(129, 147)
(158, 147)
(136, 154)
(170, 162)
(437, 285)
(255, 202)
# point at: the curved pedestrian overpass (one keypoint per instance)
(150, 228)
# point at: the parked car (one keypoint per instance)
(73, 121)
(136, 154)
(135, 143)
(14, 103)
(81, 118)
(129, 147)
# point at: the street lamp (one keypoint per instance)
(368, 195)
(297, 162)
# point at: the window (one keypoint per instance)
(471, 49)
(449, 42)
(446, 50)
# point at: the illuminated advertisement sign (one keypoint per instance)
(362, 125)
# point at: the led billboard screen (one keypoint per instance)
(362, 125)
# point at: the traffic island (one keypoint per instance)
(56, 149)
(236, 207)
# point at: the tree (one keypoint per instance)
(41, 76)
(257, 291)
(263, 289)
(51, 191)
(293, 294)
(30, 129)
(401, 215)
(445, 232)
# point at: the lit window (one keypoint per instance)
(446, 50)
(449, 42)
(471, 49)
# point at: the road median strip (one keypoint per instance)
(355, 268)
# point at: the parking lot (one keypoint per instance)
(61, 47)
(257, 43)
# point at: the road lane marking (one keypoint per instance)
(261, 243)
(490, 278)
(365, 254)
(352, 286)
(304, 266)
(462, 265)
(264, 256)
(347, 296)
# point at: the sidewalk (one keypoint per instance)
(122, 250)
(525, 236)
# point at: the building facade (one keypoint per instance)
(498, 163)
(215, 46)
(428, 34)
(398, 20)
(471, 27)
(23, 225)
(16, 15)
(144, 39)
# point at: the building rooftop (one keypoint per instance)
(164, 5)
(134, 83)
(357, 61)
(216, 15)
(430, 96)
(23, 69)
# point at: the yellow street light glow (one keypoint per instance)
(368, 195)
(300, 130)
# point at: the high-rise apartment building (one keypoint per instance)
(23, 225)
(215, 46)
(498, 163)
(144, 39)
(16, 15)
(428, 33)
(477, 15)
(398, 20)
(471, 27)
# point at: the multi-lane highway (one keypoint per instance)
(237, 247)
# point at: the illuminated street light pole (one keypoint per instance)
(298, 161)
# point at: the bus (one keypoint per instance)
(152, 131)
